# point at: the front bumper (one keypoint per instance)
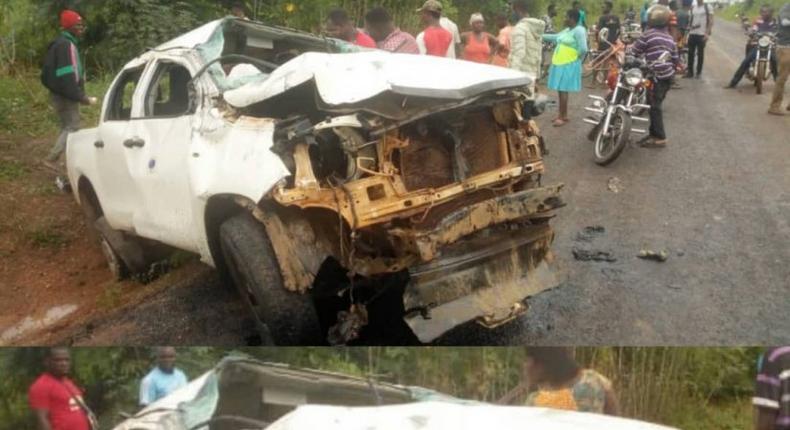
(488, 275)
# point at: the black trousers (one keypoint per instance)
(747, 62)
(696, 49)
(658, 93)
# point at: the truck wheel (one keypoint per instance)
(288, 318)
(114, 261)
(125, 255)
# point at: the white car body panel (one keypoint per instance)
(441, 416)
(351, 78)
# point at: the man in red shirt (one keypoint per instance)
(339, 26)
(434, 40)
(55, 400)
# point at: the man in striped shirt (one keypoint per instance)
(651, 45)
(772, 393)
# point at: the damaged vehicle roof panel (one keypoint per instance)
(353, 78)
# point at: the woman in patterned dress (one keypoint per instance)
(556, 381)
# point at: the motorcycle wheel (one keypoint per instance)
(609, 146)
(760, 76)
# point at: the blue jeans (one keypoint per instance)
(746, 63)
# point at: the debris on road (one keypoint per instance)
(349, 325)
(593, 255)
(590, 233)
(615, 185)
(660, 257)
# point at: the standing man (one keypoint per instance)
(63, 75)
(782, 60)
(55, 400)
(700, 28)
(503, 40)
(772, 392)
(611, 22)
(653, 44)
(764, 24)
(163, 379)
(526, 45)
(551, 12)
(339, 26)
(434, 40)
(684, 20)
(388, 37)
(450, 26)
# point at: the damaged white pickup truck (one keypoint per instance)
(272, 153)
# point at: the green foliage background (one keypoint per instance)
(691, 388)
(121, 29)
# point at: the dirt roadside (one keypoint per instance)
(52, 273)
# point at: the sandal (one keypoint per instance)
(652, 142)
(559, 122)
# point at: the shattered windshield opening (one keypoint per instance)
(236, 38)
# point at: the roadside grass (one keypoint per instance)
(26, 110)
(750, 11)
(728, 416)
(48, 233)
(11, 170)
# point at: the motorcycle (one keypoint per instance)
(760, 69)
(625, 104)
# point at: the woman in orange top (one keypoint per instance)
(479, 46)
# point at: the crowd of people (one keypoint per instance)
(520, 44)
(58, 403)
(551, 378)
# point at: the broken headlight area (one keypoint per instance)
(454, 186)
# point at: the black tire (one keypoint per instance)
(110, 240)
(621, 126)
(284, 317)
(758, 80)
(135, 258)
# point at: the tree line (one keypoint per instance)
(119, 30)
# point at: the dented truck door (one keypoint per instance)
(159, 159)
(115, 187)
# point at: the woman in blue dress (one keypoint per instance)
(565, 74)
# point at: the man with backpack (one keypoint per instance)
(64, 76)
(700, 28)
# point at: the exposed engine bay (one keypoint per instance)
(452, 196)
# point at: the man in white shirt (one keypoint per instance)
(700, 26)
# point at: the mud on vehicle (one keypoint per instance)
(276, 155)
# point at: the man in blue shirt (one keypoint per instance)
(163, 379)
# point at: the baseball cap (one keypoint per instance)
(431, 5)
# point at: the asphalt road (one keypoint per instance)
(717, 200)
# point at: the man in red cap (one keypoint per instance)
(64, 77)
